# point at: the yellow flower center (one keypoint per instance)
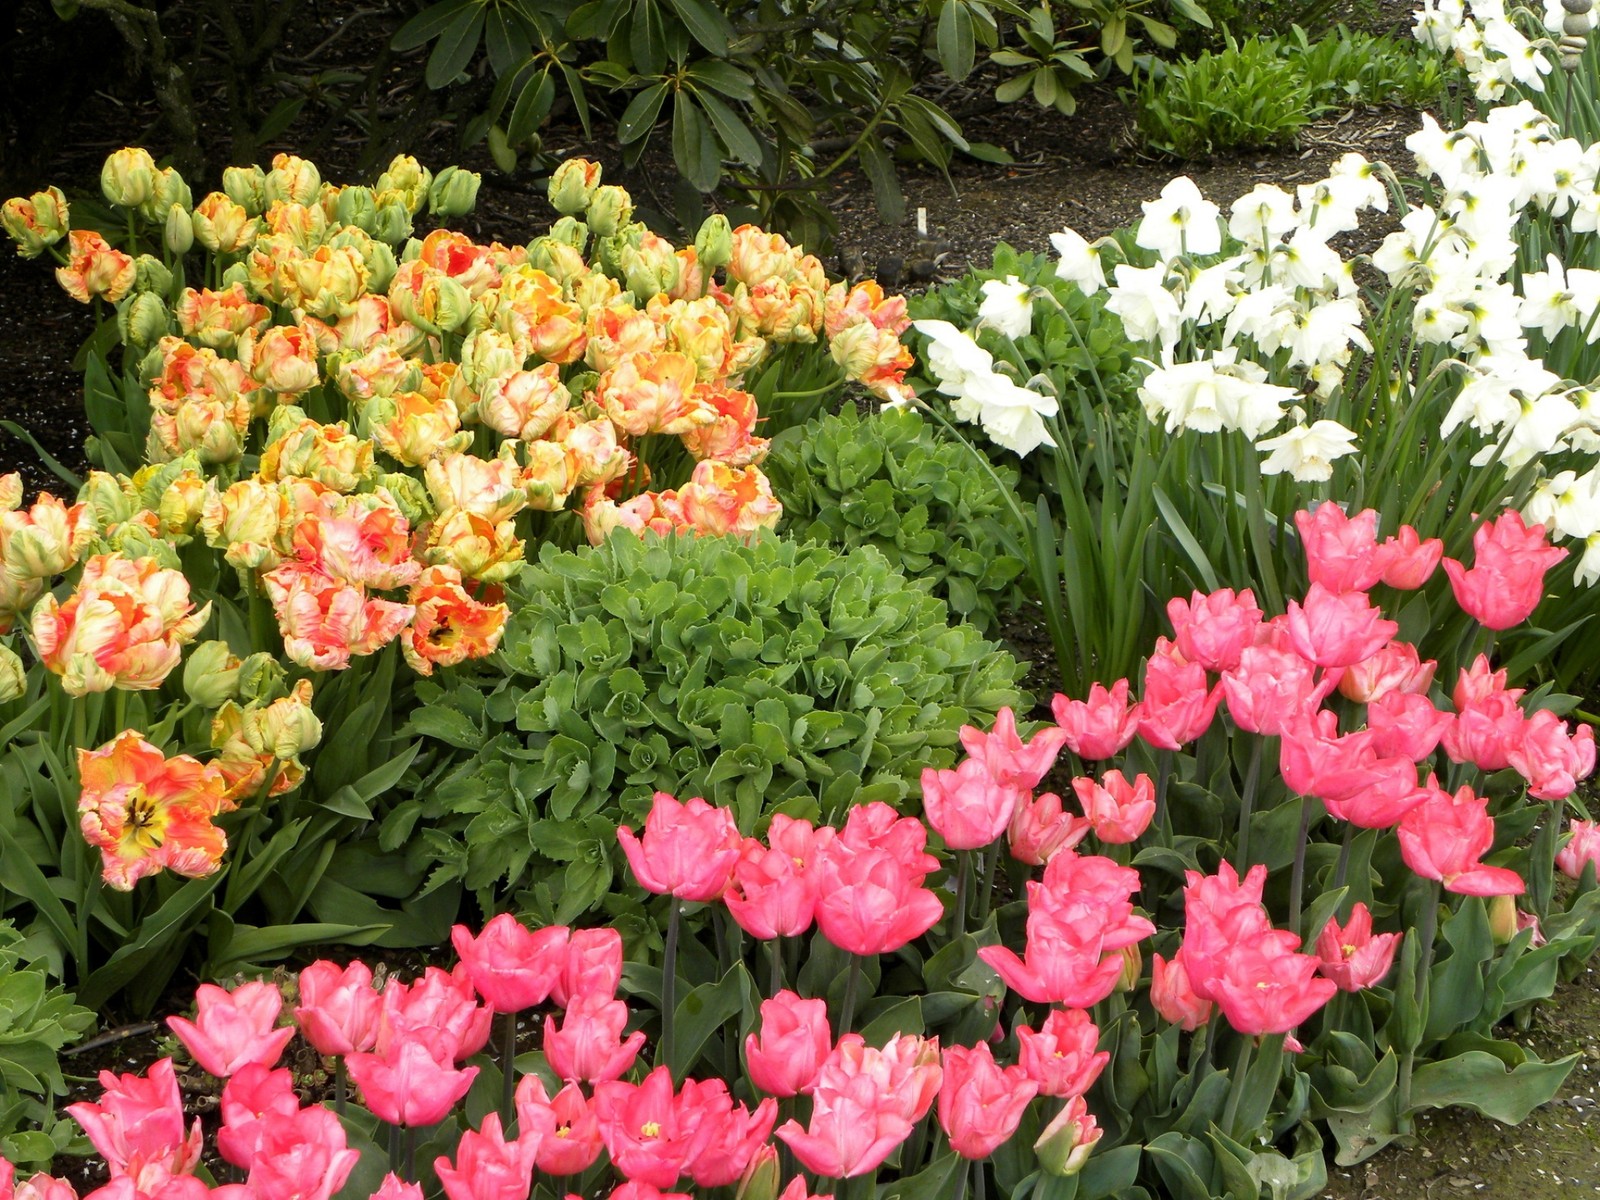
(650, 1129)
(144, 822)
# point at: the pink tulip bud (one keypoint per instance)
(1506, 581)
(689, 850)
(413, 1082)
(1040, 829)
(1177, 705)
(1068, 1140)
(1013, 763)
(1410, 561)
(967, 807)
(1172, 996)
(593, 965)
(1062, 1058)
(1100, 726)
(980, 1103)
(251, 1095)
(793, 1042)
(588, 1044)
(1119, 811)
(338, 1010)
(1213, 630)
(1582, 848)
(1342, 553)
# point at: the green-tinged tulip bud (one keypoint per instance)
(411, 251)
(13, 679)
(651, 264)
(1132, 968)
(380, 266)
(1502, 919)
(129, 177)
(36, 222)
(610, 209)
(246, 187)
(409, 179)
(151, 482)
(261, 678)
(454, 311)
(238, 273)
(153, 275)
(135, 540)
(142, 319)
(287, 726)
(713, 245)
(392, 224)
(111, 499)
(760, 1179)
(294, 179)
(179, 233)
(211, 675)
(453, 192)
(556, 259)
(571, 232)
(573, 185)
(409, 495)
(10, 492)
(1067, 1142)
(169, 189)
(358, 206)
(283, 420)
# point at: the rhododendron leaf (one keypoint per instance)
(1482, 1081)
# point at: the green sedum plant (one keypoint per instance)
(888, 481)
(37, 1020)
(762, 676)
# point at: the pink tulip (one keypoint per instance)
(637, 1189)
(413, 1082)
(689, 850)
(737, 1132)
(593, 965)
(37, 1187)
(852, 1130)
(301, 1155)
(649, 1133)
(870, 898)
(395, 1188)
(511, 966)
(1219, 911)
(1172, 995)
(1506, 581)
(1270, 688)
(876, 826)
(1394, 668)
(1213, 630)
(1337, 629)
(1582, 848)
(773, 892)
(1480, 683)
(1177, 704)
(487, 1167)
(1445, 836)
(797, 1191)
(1485, 732)
(1389, 792)
(251, 1095)
(1352, 957)
(980, 1103)
(1263, 989)
(565, 1131)
(786, 1054)
(1062, 1058)
(906, 1070)
(967, 807)
(441, 1003)
(1040, 829)
(1100, 726)
(1404, 725)
(589, 1045)
(139, 1122)
(1013, 764)
(234, 1028)
(338, 1010)
(1551, 759)
(155, 1182)
(1410, 561)
(1342, 553)
(1119, 811)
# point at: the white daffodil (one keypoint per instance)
(1325, 333)
(1079, 262)
(1262, 216)
(1148, 311)
(1306, 452)
(1182, 221)
(1011, 414)
(953, 356)
(1007, 306)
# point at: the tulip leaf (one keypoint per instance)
(701, 1013)
(1455, 986)
(938, 1179)
(1184, 1163)
(1482, 1081)
(1109, 1173)
(890, 1015)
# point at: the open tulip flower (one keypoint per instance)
(511, 966)
(688, 850)
(234, 1028)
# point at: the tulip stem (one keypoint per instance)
(1241, 1068)
(1343, 866)
(1247, 804)
(1297, 876)
(847, 1014)
(340, 1086)
(508, 1071)
(394, 1148)
(669, 984)
(959, 916)
(991, 856)
(775, 954)
(1430, 922)
(411, 1153)
(1541, 871)
(980, 1186)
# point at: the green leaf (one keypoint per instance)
(1481, 1081)
(735, 134)
(886, 193)
(694, 147)
(446, 725)
(706, 24)
(702, 1012)
(954, 41)
(247, 945)
(937, 1179)
(532, 107)
(458, 42)
(1191, 10)
(428, 24)
(640, 115)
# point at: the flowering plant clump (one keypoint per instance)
(324, 437)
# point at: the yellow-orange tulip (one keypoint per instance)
(449, 626)
(95, 269)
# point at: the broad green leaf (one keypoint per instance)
(640, 115)
(428, 24)
(954, 40)
(458, 42)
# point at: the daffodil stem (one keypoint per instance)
(851, 986)
(669, 984)
(508, 1071)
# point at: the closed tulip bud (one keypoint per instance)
(13, 678)
(151, 275)
(1502, 919)
(570, 231)
(110, 499)
(211, 675)
(760, 1181)
(573, 185)
(713, 245)
(10, 492)
(610, 209)
(129, 177)
(170, 188)
(408, 179)
(238, 273)
(261, 678)
(454, 192)
(246, 187)
(357, 206)
(392, 225)
(1067, 1142)
(1132, 968)
(288, 726)
(556, 259)
(179, 232)
(37, 222)
(410, 496)
(142, 319)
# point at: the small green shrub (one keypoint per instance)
(888, 481)
(1347, 68)
(760, 675)
(36, 1022)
